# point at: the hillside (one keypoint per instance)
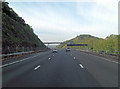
(16, 34)
(109, 44)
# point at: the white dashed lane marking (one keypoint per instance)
(37, 67)
(73, 57)
(81, 65)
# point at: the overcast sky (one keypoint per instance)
(60, 21)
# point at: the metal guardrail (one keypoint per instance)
(115, 53)
(18, 53)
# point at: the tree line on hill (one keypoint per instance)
(109, 45)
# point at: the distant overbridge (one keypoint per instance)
(68, 44)
(52, 42)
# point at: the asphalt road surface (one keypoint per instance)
(62, 69)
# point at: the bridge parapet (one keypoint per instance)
(52, 42)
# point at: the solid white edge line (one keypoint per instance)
(81, 65)
(13, 62)
(106, 59)
(117, 62)
(37, 67)
(17, 61)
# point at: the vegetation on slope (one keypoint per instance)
(109, 44)
(16, 33)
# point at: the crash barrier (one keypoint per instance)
(21, 53)
(104, 52)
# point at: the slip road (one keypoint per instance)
(62, 69)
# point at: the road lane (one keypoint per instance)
(61, 70)
(104, 71)
(12, 71)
